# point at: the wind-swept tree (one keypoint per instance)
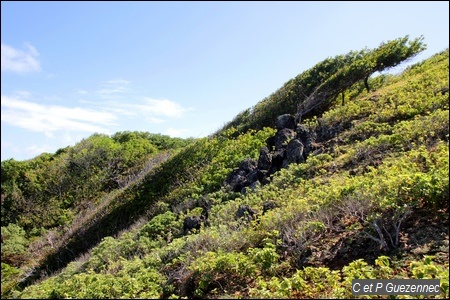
(361, 67)
(316, 89)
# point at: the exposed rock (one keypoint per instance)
(192, 223)
(309, 146)
(255, 185)
(294, 153)
(277, 160)
(268, 206)
(246, 212)
(283, 137)
(248, 165)
(236, 180)
(304, 133)
(238, 183)
(265, 179)
(285, 121)
(265, 159)
(270, 142)
(291, 144)
(254, 176)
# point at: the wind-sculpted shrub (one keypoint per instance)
(387, 55)
(316, 89)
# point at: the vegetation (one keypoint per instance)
(313, 91)
(107, 217)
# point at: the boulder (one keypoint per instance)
(303, 133)
(254, 176)
(236, 180)
(283, 137)
(265, 159)
(294, 153)
(286, 121)
(277, 160)
(192, 223)
(246, 212)
(265, 179)
(270, 142)
(248, 165)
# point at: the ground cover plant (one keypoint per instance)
(158, 217)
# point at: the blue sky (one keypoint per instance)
(70, 69)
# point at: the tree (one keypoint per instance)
(363, 65)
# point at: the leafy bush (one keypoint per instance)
(14, 243)
(219, 269)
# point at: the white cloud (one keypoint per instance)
(112, 88)
(81, 92)
(48, 119)
(19, 61)
(35, 150)
(150, 109)
(176, 132)
(154, 120)
(163, 107)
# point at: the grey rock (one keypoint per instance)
(283, 137)
(294, 152)
(285, 121)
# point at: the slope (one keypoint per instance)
(362, 205)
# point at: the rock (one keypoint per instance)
(246, 212)
(294, 153)
(238, 183)
(236, 180)
(307, 138)
(277, 160)
(268, 206)
(192, 223)
(302, 133)
(248, 165)
(283, 137)
(265, 159)
(285, 121)
(265, 179)
(308, 147)
(254, 176)
(255, 185)
(270, 142)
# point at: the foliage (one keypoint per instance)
(14, 243)
(113, 207)
(130, 280)
(214, 269)
(320, 282)
(10, 280)
(74, 176)
(303, 94)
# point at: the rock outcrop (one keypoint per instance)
(291, 144)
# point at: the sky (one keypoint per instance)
(70, 69)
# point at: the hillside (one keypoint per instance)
(342, 173)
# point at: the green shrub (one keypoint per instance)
(14, 244)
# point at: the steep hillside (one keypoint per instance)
(351, 181)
